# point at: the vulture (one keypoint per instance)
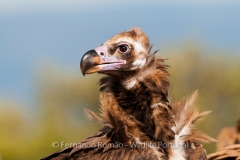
(228, 145)
(138, 121)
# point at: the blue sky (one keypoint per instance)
(34, 33)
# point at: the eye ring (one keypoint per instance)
(124, 48)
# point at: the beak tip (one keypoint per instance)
(83, 72)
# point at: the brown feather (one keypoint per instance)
(231, 152)
(187, 138)
(229, 136)
(185, 116)
(228, 146)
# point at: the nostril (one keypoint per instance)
(101, 53)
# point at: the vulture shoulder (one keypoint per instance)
(231, 152)
(228, 145)
(101, 147)
(229, 136)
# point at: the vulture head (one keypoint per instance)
(122, 55)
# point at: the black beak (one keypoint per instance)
(89, 60)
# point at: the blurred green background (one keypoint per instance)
(43, 94)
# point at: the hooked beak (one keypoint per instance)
(99, 60)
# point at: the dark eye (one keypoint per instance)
(123, 48)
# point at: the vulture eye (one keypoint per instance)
(123, 48)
